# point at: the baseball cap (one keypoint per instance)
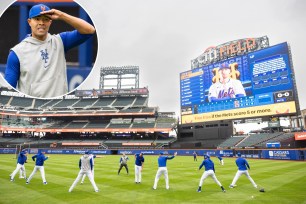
(224, 65)
(35, 10)
(86, 152)
(206, 156)
(161, 153)
(238, 154)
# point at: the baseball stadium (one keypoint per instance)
(117, 120)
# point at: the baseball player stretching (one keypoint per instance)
(93, 167)
(209, 171)
(86, 166)
(243, 167)
(39, 165)
(22, 158)
(37, 65)
(139, 160)
(226, 87)
(195, 156)
(220, 159)
(162, 169)
(123, 163)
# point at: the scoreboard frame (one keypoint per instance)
(267, 76)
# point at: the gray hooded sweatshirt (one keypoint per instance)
(42, 67)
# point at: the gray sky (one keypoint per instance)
(162, 36)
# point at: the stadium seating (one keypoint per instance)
(65, 103)
(104, 119)
(165, 122)
(103, 102)
(278, 138)
(76, 124)
(21, 102)
(130, 110)
(51, 103)
(148, 110)
(143, 125)
(97, 124)
(123, 101)
(140, 102)
(231, 142)
(4, 99)
(39, 102)
(255, 139)
(83, 103)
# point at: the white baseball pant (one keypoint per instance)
(138, 170)
(21, 168)
(42, 172)
(160, 171)
(90, 177)
(210, 173)
(84, 176)
(246, 173)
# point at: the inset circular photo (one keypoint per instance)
(48, 48)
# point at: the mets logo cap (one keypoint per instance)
(35, 10)
(224, 65)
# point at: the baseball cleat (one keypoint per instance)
(96, 191)
(27, 182)
(45, 183)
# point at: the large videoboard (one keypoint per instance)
(252, 85)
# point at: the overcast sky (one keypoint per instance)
(162, 36)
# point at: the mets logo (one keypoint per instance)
(227, 93)
(44, 55)
(42, 8)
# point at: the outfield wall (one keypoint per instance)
(277, 154)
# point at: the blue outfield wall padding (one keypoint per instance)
(276, 154)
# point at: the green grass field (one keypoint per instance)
(284, 182)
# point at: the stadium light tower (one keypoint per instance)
(127, 74)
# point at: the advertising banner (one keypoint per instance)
(300, 135)
(266, 110)
(273, 145)
(281, 154)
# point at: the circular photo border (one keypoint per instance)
(79, 57)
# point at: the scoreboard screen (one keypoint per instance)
(255, 84)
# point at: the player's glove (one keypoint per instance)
(262, 190)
